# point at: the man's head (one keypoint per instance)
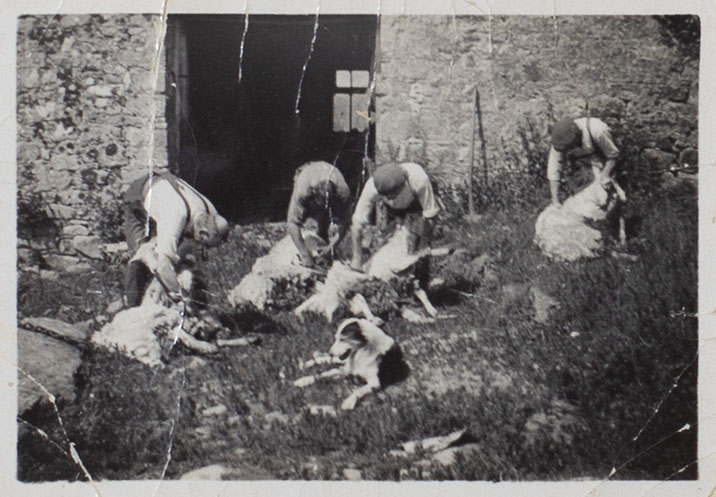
(210, 229)
(389, 180)
(566, 135)
(325, 189)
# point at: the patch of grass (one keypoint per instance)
(71, 297)
(571, 397)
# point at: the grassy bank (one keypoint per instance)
(589, 390)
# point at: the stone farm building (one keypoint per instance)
(234, 111)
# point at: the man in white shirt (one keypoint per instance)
(406, 191)
(166, 210)
(584, 139)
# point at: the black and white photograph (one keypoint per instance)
(379, 246)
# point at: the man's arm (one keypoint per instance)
(606, 176)
(356, 240)
(294, 220)
(294, 230)
(554, 173)
(364, 208)
(167, 277)
(342, 229)
(170, 214)
(605, 142)
(423, 190)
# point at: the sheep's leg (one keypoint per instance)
(318, 359)
(350, 402)
(359, 307)
(622, 230)
(192, 343)
(305, 381)
(423, 298)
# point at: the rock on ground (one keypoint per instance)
(448, 457)
(351, 474)
(56, 327)
(444, 449)
(52, 363)
(543, 305)
(217, 410)
(562, 232)
(212, 472)
(322, 410)
(434, 444)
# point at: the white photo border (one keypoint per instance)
(706, 485)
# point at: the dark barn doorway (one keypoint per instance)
(238, 128)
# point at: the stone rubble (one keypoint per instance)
(46, 366)
(543, 305)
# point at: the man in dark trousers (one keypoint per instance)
(319, 192)
(166, 210)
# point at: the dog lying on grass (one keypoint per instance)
(363, 350)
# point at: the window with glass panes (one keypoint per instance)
(351, 103)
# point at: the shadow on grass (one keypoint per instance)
(249, 320)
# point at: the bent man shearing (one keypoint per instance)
(407, 193)
(168, 211)
(584, 139)
(319, 192)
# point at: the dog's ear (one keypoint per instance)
(353, 332)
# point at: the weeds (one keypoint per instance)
(591, 389)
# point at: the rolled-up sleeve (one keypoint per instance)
(424, 192)
(366, 204)
(296, 210)
(605, 142)
(554, 164)
(169, 212)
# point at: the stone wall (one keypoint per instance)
(530, 71)
(86, 94)
(91, 113)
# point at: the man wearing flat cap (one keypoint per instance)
(170, 214)
(406, 191)
(319, 192)
(584, 139)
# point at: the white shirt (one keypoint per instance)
(596, 139)
(417, 187)
(165, 205)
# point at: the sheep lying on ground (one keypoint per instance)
(139, 332)
(562, 231)
(277, 280)
(391, 276)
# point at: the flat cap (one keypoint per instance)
(389, 178)
(564, 134)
